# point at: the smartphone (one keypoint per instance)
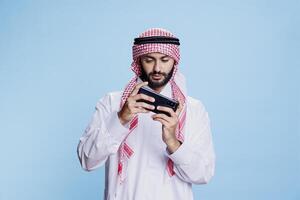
(160, 100)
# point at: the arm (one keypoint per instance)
(102, 136)
(194, 159)
(108, 128)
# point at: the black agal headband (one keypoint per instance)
(156, 39)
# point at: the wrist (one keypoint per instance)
(173, 145)
(122, 121)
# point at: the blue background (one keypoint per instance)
(241, 59)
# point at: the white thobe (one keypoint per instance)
(146, 175)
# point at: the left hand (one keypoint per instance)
(169, 124)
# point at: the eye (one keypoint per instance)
(148, 60)
(165, 60)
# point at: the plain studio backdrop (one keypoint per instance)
(240, 58)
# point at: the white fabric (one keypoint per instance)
(147, 177)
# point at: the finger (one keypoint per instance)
(162, 121)
(144, 105)
(137, 87)
(144, 97)
(167, 109)
(140, 110)
(162, 116)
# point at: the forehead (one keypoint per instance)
(155, 55)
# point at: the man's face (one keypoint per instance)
(157, 69)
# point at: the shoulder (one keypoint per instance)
(195, 106)
(114, 95)
(110, 100)
(111, 96)
(195, 103)
(197, 117)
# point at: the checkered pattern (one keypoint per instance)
(172, 50)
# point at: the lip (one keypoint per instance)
(156, 77)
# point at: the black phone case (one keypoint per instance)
(160, 100)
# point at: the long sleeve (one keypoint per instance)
(102, 137)
(194, 160)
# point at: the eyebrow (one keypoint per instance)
(147, 56)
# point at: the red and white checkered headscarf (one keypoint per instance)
(177, 82)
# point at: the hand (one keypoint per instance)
(169, 125)
(132, 107)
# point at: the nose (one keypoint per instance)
(157, 66)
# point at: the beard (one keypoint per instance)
(154, 84)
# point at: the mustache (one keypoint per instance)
(157, 73)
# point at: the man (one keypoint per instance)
(148, 155)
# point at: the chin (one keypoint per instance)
(156, 84)
(156, 81)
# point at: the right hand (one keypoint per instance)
(132, 107)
